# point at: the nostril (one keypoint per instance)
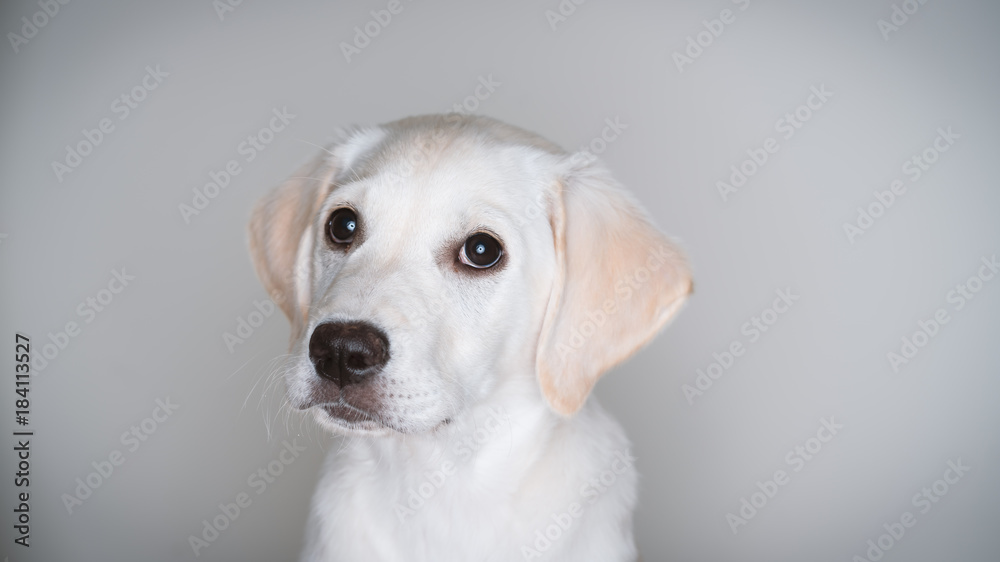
(358, 361)
(348, 352)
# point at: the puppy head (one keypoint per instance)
(422, 261)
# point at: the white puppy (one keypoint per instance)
(455, 287)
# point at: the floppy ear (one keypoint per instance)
(618, 281)
(281, 238)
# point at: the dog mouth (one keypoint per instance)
(345, 407)
(345, 412)
(350, 418)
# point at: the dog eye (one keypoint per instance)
(342, 225)
(481, 251)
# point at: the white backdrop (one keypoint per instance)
(879, 115)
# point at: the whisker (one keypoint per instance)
(323, 148)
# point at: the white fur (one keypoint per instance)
(464, 459)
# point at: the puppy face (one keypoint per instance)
(423, 261)
(431, 249)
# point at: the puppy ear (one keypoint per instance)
(281, 238)
(618, 281)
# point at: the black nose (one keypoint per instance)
(348, 352)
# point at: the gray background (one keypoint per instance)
(827, 356)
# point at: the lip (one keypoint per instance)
(345, 412)
(352, 419)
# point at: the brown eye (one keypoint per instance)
(481, 251)
(342, 225)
